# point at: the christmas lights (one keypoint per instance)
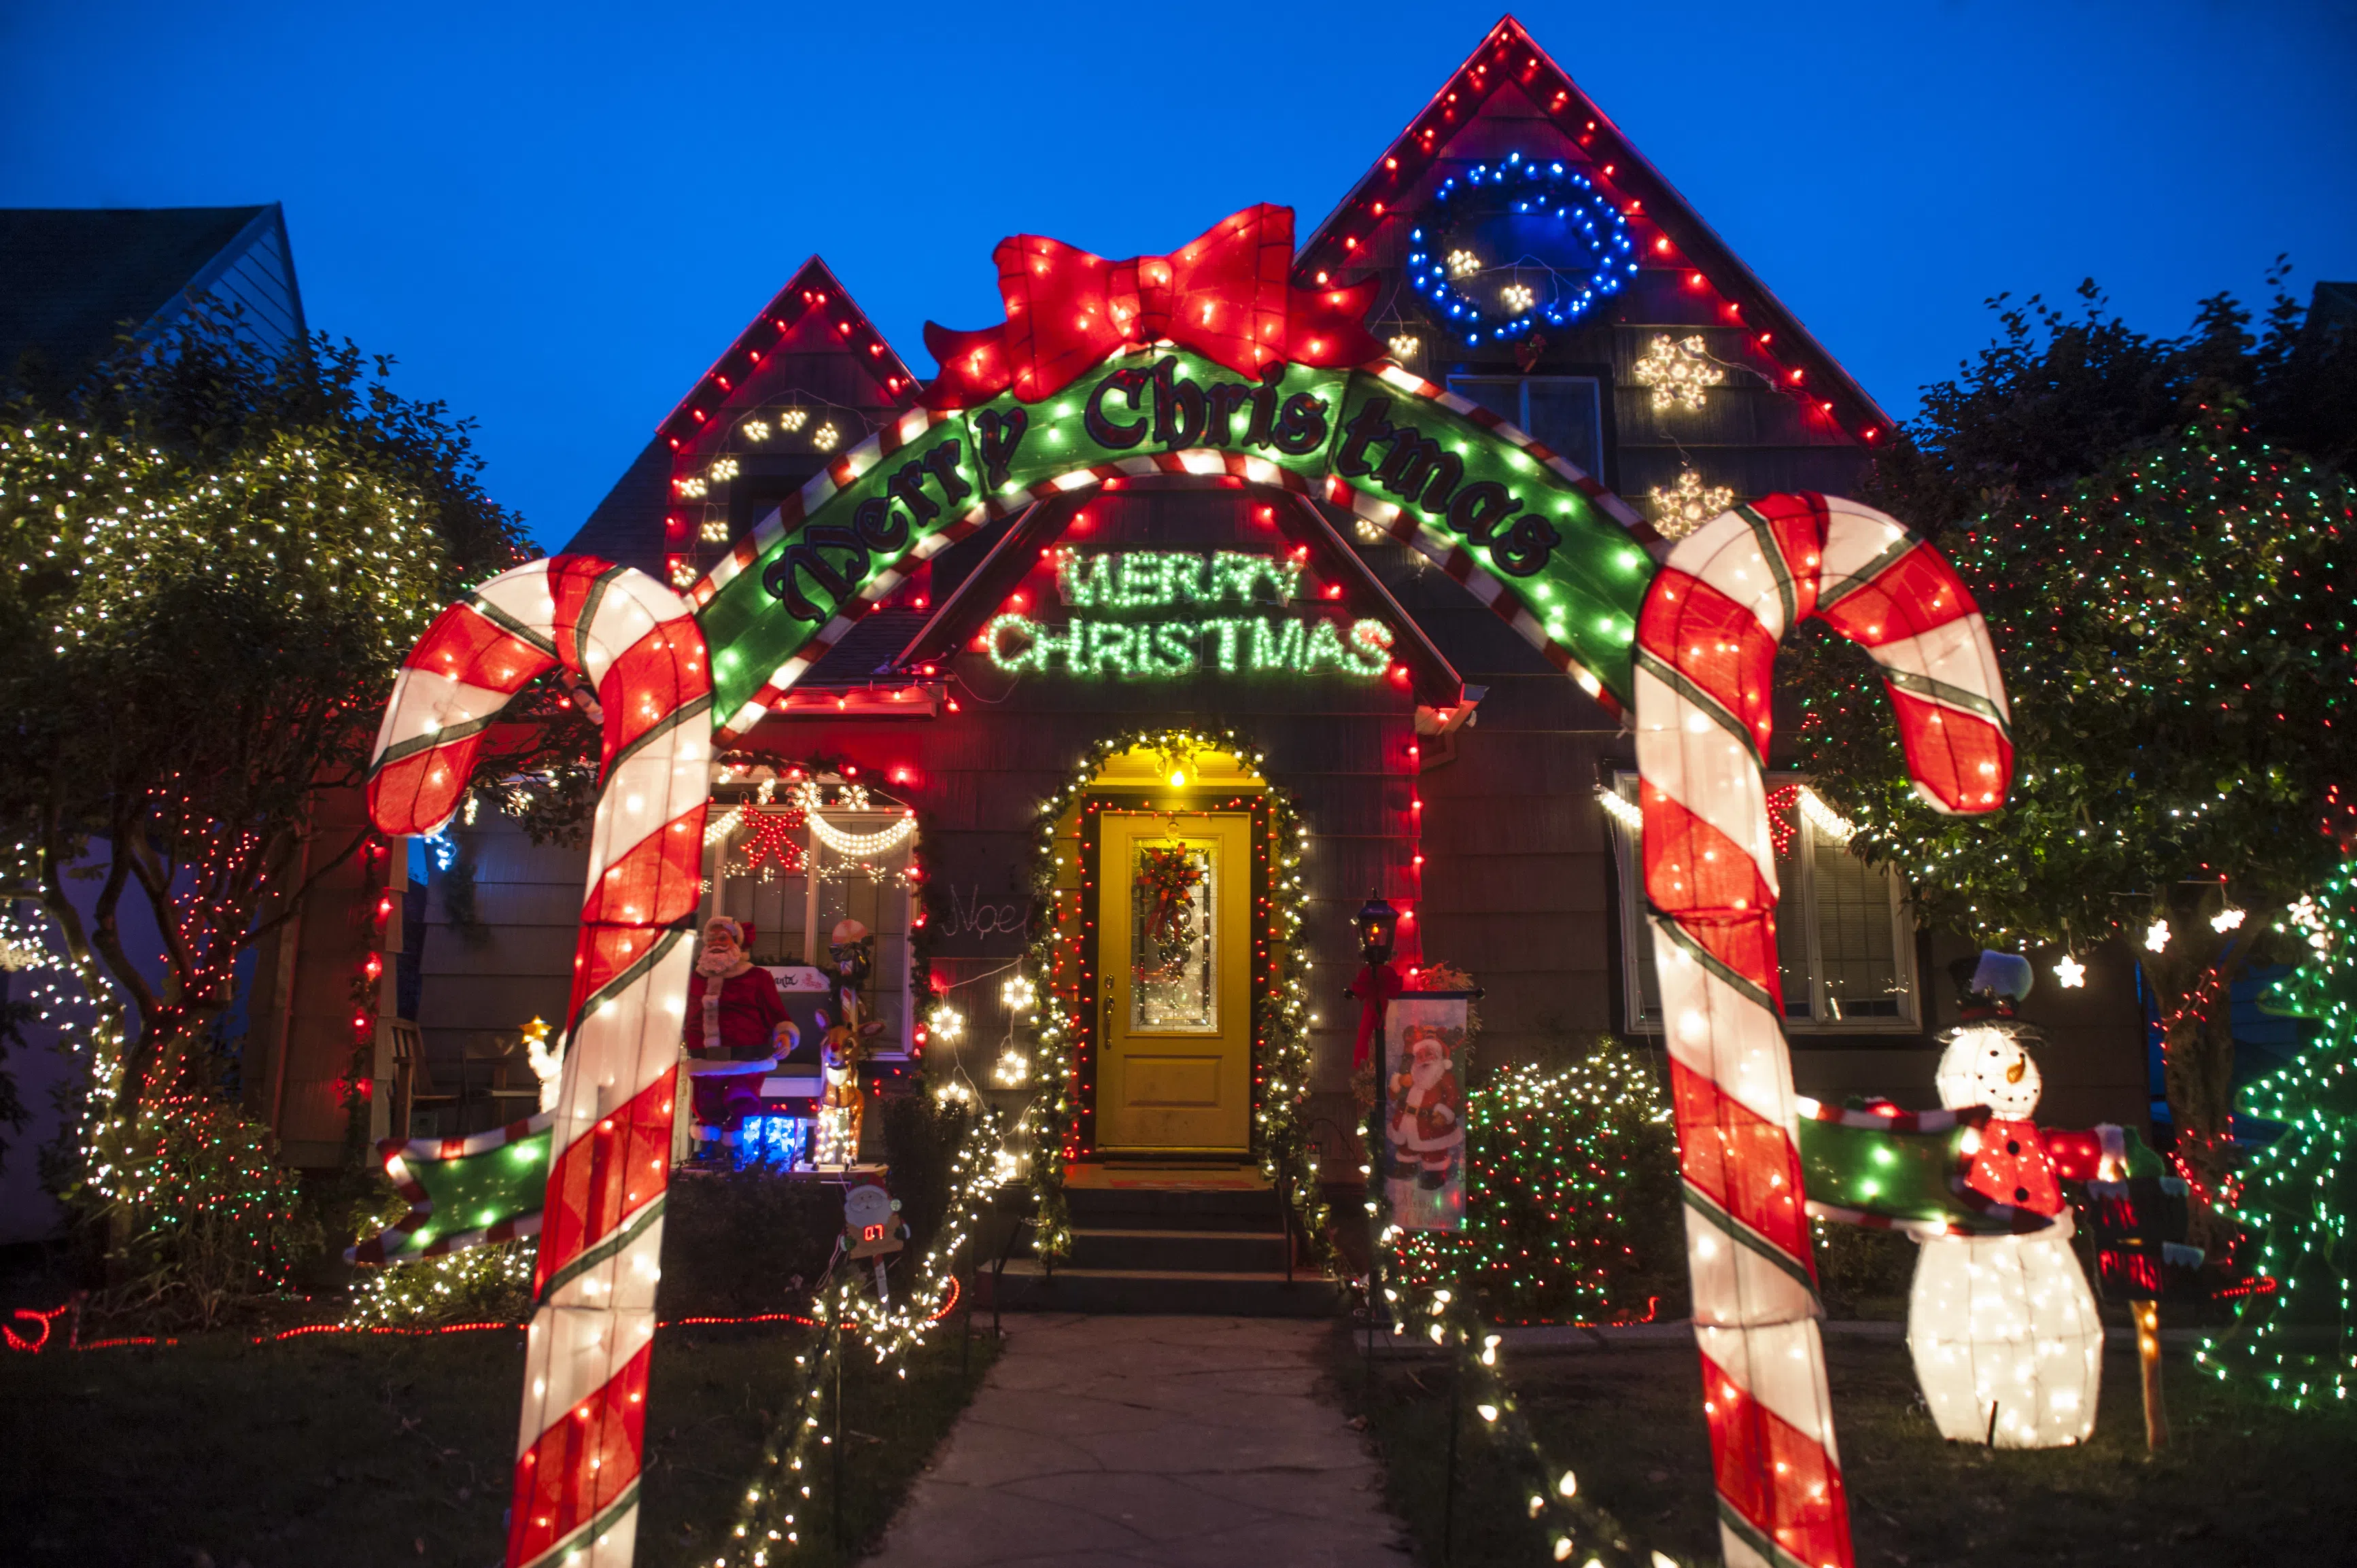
(1161, 650)
(1537, 211)
(1688, 504)
(1057, 1046)
(2298, 1191)
(1680, 372)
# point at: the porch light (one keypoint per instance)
(1378, 923)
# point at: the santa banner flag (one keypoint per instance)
(1424, 1031)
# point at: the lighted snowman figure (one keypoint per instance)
(2003, 1329)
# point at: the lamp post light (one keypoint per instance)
(1378, 926)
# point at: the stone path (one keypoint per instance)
(1176, 1441)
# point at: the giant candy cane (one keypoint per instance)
(1705, 646)
(577, 1473)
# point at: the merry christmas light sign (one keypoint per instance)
(1146, 614)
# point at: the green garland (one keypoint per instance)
(1280, 1012)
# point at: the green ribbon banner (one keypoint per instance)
(1465, 484)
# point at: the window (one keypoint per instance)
(1843, 943)
(1565, 412)
(806, 856)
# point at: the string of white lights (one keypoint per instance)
(860, 845)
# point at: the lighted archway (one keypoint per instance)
(1189, 366)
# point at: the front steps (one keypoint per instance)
(1208, 1244)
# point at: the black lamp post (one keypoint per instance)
(1378, 925)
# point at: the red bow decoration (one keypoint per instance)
(1228, 296)
(1373, 987)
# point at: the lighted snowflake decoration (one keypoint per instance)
(2069, 974)
(1679, 372)
(715, 530)
(689, 485)
(755, 429)
(1463, 264)
(2310, 921)
(721, 472)
(1019, 995)
(2228, 919)
(1688, 504)
(1013, 1070)
(682, 573)
(2156, 936)
(947, 1025)
(793, 419)
(1405, 346)
(825, 436)
(1517, 298)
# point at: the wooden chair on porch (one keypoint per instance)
(413, 1080)
(509, 1090)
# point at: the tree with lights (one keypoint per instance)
(2300, 1189)
(1571, 1212)
(2174, 628)
(217, 557)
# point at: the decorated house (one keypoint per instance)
(1203, 638)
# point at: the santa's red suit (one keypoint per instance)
(731, 1039)
(1429, 1125)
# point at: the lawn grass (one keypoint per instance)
(360, 1451)
(2242, 1483)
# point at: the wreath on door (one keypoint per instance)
(1168, 876)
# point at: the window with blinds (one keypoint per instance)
(1843, 943)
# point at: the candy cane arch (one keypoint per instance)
(576, 1473)
(1706, 644)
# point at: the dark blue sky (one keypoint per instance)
(557, 217)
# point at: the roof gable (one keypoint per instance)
(1506, 84)
(813, 312)
(73, 279)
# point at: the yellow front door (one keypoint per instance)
(1174, 957)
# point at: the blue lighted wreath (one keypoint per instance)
(1573, 247)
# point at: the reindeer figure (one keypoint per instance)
(849, 1035)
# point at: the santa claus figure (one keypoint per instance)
(735, 1030)
(2003, 1329)
(1427, 1109)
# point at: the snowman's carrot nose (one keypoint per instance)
(2020, 1064)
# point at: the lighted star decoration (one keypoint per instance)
(756, 429)
(1517, 297)
(825, 436)
(2156, 936)
(1463, 264)
(1679, 372)
(2069, 974)
(793, 419)
(1688, 504)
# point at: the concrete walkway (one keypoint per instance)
(1192, 1441)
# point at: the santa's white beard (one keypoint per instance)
(1425, 1076)
(719, 964)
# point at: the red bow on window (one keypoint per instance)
(1229, 296)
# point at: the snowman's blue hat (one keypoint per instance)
(1991, 985)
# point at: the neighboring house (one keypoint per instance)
(75, 280)
(1469, 794)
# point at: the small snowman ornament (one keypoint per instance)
(2003, 1329)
